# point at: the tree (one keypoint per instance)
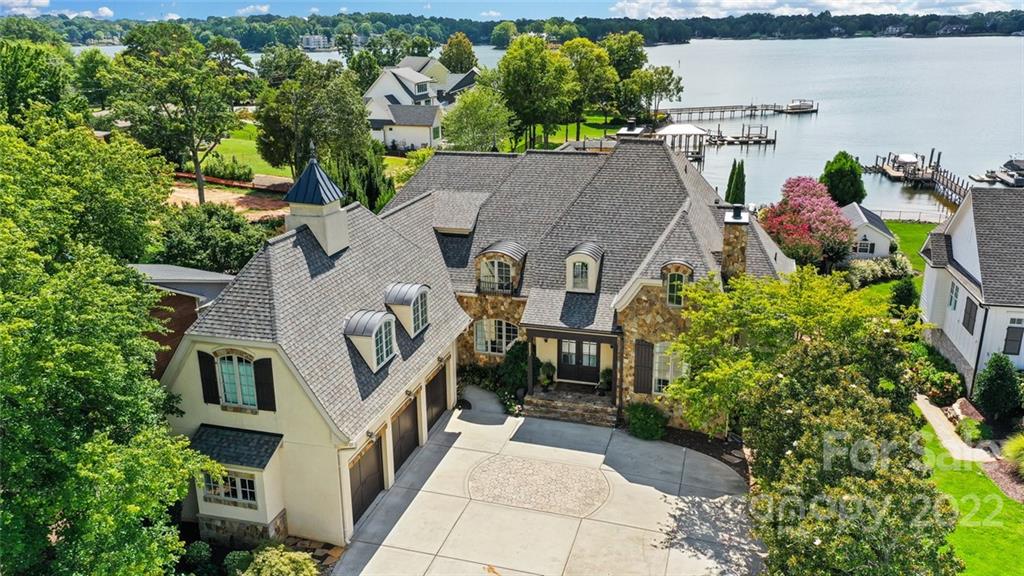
(280, 561)
(626, 52)
(842, 177)
(209, 237)
(808, 224)
(538, 84)
(176, 94)
(457, 54)
(91, 66)
(33, 30)
(503, 33)
(732, 180)
(479, 120)
(366, 69)
(389, 48)
(996, 389)
(654, 84)
(280, 63)
(418, 46)
(596, 76)
(903, 296)
(35, 74)
(737, 191)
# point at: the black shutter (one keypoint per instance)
(208, 375)
(263, 370)
(1014, 335)
(970, 314)
(872, 247)
(643, 353)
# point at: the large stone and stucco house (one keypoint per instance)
(974, 281)
(333, 352)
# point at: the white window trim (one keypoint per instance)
(219, 489)
(417, 327)
(863, 247)
(668, 288)
(954, 295)
(596, 355)
(388, 328)
(580, 281)
(492, 266)
(503, 332)
(676, 369)
(235, 357)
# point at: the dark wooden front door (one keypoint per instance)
(437, 397)
(405, 436)
(579, 360)
(367, 479)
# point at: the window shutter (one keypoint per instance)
(208, 376)
(643, 353)
(970, 314)
(1014, 336)
(264, 375)
(871, 248)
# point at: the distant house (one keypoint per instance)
(449, 84)
(404, 126)
(952, 29)
(894, 30)
(403, 86)
(974, 282)
(873, 239)
(314, 42)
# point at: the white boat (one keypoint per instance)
(800, 105)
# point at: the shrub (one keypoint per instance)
(646, 421)
(903, 295)
(236, 562)
(861, 273)
(996, 391)
(209, 237)
(197, 558)
(940, 386)
(217, 167)
(973, 431)
(1013, 450)
(279, 561)
(808, 224)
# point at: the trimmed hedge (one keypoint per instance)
(861, 273)
(646, 421)
(973, 431)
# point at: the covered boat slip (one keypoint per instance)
(578, 357)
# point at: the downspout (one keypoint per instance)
(619, 377)
(977, 357)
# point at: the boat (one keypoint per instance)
(800, 105)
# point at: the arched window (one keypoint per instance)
(419, 313)
(494, 336)
(674, 283)
(237, 380)
(495, 276)
(384, 342)
(580, 275)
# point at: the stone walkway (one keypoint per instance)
(946, 433)
(495, 495)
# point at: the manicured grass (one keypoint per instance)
(394, 163)
(593, 127)
(991, 529)
(242, 145)
(911, 237)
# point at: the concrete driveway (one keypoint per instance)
(492, 495)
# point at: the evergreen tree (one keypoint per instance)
(736, 191)
(732, 181)
(842, 176)
(997, 391)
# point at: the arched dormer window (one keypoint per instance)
(582, 267)
(495, 276)
(373, 334)
(384, 342)
(237, 378)
(580, 275)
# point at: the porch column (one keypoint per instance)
(615, 373)
(529, 363)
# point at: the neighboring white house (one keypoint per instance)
(404, 127)
(873, 238)
(314, 42)
(403, 86)
(449, 84)
(974, 281)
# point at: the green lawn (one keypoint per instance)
(394, 163)
(911, 237)
(991, 528)
(593, 127)
(242, 145)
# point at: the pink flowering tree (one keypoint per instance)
(808, 225)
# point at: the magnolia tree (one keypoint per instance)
(808, 224)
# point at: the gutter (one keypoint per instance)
(977, 357)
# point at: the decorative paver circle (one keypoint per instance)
(538, 485)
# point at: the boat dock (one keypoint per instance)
(917, 171)
(740, 110)
(750, 135)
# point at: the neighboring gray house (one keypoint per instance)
(873, 239)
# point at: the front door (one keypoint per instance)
(579, 360)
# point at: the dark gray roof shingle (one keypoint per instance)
(314, 187)
(412, 115)
(234, 446)
(999, 227)
(858, 215)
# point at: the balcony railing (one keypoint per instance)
(492, 287)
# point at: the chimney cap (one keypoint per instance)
(737, 214)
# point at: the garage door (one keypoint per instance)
(367, 476)
(405, 433)
(437, 397)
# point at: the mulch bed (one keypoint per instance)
(727, 451)
(1003, 473)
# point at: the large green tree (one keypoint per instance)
(656, 84)
(209, 237)
(91, 67)
(279, 63)
(503, 33)
(597, 77)
(479, 120)
(457, 54)
(366, 68)
(538, 84)
(33, 73)
(842, 177)
(177, 93)
(626, 52)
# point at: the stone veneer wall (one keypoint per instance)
(479, 307)
(515, 265)
(231, 532)
(734, 250)
(648, 317)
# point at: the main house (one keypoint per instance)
(974, 281)
(333, 352)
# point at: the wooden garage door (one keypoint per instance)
(367, 476)
(405, 433)
(437, 397)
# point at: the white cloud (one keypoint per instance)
(104, 12)
(490, 14)
(171, 16)
(314, 10)
(101, 12)
(343, 10)
(23, 7)
(253, 9)
(719, 8)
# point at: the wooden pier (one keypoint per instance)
(917, 171)
(750, 135)
(740, 110)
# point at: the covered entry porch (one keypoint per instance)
(579, 359)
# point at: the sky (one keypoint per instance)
(491, 9)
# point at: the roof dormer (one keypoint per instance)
(582, 267)
(499, 267)
(408, 302)
(373, 334)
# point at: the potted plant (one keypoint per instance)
(605, 382)
(547, 375)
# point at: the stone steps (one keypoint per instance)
(597, 411)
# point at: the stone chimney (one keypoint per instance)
(734, 242)
(316, 202)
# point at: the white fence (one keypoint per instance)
(912, 215)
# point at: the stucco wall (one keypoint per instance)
(482, 306)
(406, 136)
(881, 242)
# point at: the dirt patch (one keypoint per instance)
(726, 451)
(1003, 473)
(254, 206)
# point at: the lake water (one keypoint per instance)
(962, 96)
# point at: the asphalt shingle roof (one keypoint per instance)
(234, 446)
(999, 227)
(412, 115)
(172, 273)
(858, 215)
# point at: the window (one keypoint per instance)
(674, 288)
(1014, 336)
(970, 314)
(580, 275)
(568, 352)
(437, 132)
(421, 87)
(954, 295)
(419, 313)
(495, 336)
(666, 367)
(233, 486)
(590, 354)
(495, 276)
(865, 247)
(237, 381)
(384, 342)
